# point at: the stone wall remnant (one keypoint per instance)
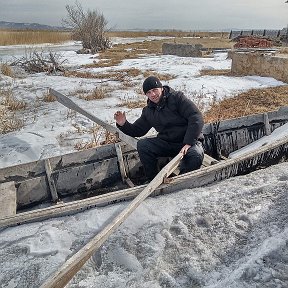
(183, 50)
(261, 64)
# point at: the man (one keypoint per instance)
(176, 119)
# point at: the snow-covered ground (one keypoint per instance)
(51, 130)
(230, 234)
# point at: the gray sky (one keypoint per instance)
(161, 14)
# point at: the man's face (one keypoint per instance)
(154, 94)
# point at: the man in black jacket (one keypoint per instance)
(176, 119)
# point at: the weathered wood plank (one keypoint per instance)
(72, 105)
(87, 177)
(208, 161)
(74, 264)
(50, 180)
(37, 168)
(32, 191)
(122, 168)
(7, 199)
(247, 121)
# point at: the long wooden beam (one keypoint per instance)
(74, 264)
(67, 102)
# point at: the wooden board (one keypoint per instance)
(29, 170)
(7, 199)
(72, 105)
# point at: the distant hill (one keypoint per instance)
(28, 26)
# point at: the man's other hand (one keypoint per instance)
(185, 149)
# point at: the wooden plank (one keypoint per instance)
(32, 191)
(122, 168)
(86, 177)
(208, 160)
(121, 162)
(74, 264)
(24, 171)
(51, 182)
(267, 124)
(247, 121)
(72, 105)
(203, 176)
(7, 199)
(279, 115)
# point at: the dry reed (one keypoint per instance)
(17, 37)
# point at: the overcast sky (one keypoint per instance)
(161, 14)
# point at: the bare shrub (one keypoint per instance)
(89, 27)
(35, 62)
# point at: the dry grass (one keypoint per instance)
(167, 33)
(119, 52)
(9, 101)
(162, 76)
(9, 105)
(251, 102)
(6, 70)
(9, 121)
(283, 50)
(99, 136)
(96, 94)
(123, 76)
(47, 97)
(16, 37)
(140, 102)
(215, 72)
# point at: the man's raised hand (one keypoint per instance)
(120, 118)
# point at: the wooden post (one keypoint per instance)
(267, 124)
(51, 182)
(122, 169)
(7, 199)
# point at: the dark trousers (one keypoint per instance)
(149, 149)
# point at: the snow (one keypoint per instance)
(229, 234)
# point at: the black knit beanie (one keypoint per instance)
(150, 83)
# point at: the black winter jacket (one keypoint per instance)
(175, 118)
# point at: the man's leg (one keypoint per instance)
(193, 158)
(149, 149)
